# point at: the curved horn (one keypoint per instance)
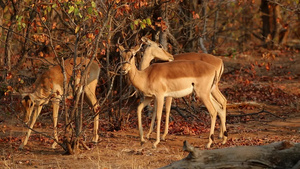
(136, 49)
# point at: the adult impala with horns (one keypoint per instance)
(152, 48)
(173, 79)
(49, 87)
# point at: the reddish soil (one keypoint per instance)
(263, 107)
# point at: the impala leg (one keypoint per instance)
(220, 98)
(90, 98)
(36, 113)
(168, 109)
(55, 117)
(152, 121)
(222, 114)
(95, 132)
(145, 102)
(213, 117)
(159, 103)
(223, 132)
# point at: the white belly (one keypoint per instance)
(180, 93)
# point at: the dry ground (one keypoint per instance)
(122, 149)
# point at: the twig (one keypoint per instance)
(84, 145)
(251, 114)
(193, 109)
(32, 41)
(179, 112)
(191, 114)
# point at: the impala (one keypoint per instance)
(49, 87)
(172, 79)
(154, 51)
(149, 55)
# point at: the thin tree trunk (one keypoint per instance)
(264, 7)
(1, 33)
(9, 36)
(24, 52)
(214, 37)
(163, 34)
(112, 118)
(203, 36)
(76, 93)
(277, 19)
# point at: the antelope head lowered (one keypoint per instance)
(49, 87)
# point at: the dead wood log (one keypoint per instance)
(276, 155)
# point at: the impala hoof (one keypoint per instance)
(224, 140)
(21, 147)
(155, 144)
(143, 142)
(54, 145)
(220, 136)
(95, 139)
(208, 145)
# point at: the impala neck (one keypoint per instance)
(146, 60)
(135, 75)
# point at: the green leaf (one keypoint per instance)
(71, 9)
(136, 22)
(78, 2)
(19, 18)
(143, 26)
(54, 5)
(90, 10)
(93, 4)
(131, 26)
(76, 11)
(86, 18)
(49, 9)
(148, 20)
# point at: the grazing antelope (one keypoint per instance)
(150, 54)
(172, 79)
(49, 87)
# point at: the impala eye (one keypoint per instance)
(31, 104)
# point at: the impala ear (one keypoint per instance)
(144, 39)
